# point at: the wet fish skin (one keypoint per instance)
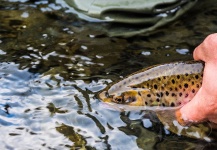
(171, 84)
(159, 88)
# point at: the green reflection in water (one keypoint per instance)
(79, 141)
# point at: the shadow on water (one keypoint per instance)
(53, 65)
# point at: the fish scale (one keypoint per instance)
(170, 91)
(168, 85)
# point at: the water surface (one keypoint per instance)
(53, 64)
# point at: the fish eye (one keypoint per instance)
(118, 100)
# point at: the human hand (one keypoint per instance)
(204, 104)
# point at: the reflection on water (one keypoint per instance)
(53, 65)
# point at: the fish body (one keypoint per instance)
(166, 85)
(161, 89)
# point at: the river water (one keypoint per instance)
(52, 66)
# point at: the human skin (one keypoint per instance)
(203, 107)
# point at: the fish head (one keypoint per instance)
(130, 97)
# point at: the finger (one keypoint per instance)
(198, 53)
(206, 51)
(180, 120)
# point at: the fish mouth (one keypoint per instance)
(103, 96)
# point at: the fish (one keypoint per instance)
(162, 89)
(164, 85)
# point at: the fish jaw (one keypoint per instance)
(103, 96)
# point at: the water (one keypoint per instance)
(52, 65)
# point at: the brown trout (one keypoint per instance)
(166, 85)
(162, 89)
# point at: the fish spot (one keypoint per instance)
(198, 86)
(158, 100)
(186, 95)
(173, 81)
(162, 87)
(186, 74)
(155, 86)
(196, 76)
(186, 85)
(171, 89)
(164, 77)
(161, 94)
(173, 94)
(148, 95)
(180, 86)
(176, 89)
(202, 75)
(147, 84)
(172, 104)
(193, 91)
(180, 94)
(192, 82)
(167, 93)
(178, 76)
(159, 79)
(139, 93)
(163, 104)
(158, 95)
(146, 103)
